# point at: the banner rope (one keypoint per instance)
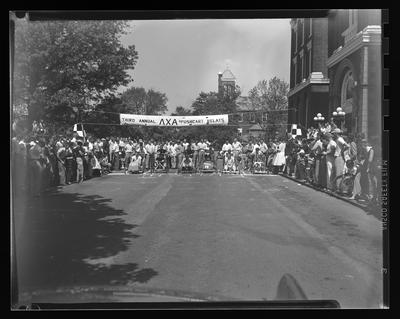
(238, 112)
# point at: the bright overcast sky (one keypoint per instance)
(183, 57)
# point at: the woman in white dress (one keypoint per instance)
(279, 158)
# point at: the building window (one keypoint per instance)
(302, 32)
(306, 29)
(301, 69)
(306, 64)
(264, 116)
(346, 101)
(310, 26)
(309, 62)
(293, 42)
(293, 73)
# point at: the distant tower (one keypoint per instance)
(226, 82)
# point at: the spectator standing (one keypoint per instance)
(195, 151)
(322, 172)
(179, 150)
(128, 154)
(330, 160)
(61, 154)
(35, 168)
(116, 159)
(341, 147)
(202, 148)
(79, 155)
(317, 148)
(279, 158)
(367, 167)
(237, 149)
(290, 154)
(151, 150)
(70, 163)
(301, 165)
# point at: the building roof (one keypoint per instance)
(256, 127)
(227, 75)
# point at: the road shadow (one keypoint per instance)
(69, 239)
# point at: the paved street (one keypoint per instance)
(229, 236)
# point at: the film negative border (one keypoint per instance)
(385, 154)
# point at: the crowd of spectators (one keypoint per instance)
(324, 157)
(345, 164)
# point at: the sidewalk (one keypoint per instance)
(326, 191)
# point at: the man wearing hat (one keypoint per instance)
(341, 146)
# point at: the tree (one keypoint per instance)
(65, 67)
(181, 111)
(271, 97)
(139, 101)
(156, 102)
(135, 100)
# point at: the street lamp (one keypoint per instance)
(339, 115)
(319, 118)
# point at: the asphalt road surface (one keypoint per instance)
(227, 236)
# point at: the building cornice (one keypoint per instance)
(314, 78)
(370, 35)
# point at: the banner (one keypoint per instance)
(161, 120)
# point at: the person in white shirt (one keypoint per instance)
(195, 150)
(151, 150)
(202, 148)
(171, 154)
(226, 147)
(341, 146)
(90, 144)
(208, 144)
(128, 155)
(255, 146)
(330, 159)
(236, 150)
(263, 147)
(185, 144)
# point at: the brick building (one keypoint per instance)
(249, 120)
(309, 83)
(354, 69)
(336, 62)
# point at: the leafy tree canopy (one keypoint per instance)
(65, 66)
(272, 96)
(139, 101)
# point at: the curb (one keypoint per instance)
(364, 207)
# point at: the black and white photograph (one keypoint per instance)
(177, 160)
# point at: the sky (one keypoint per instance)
(182, 58)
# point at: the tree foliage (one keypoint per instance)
(271, 96)
(181, 111)
(139, 101)
(65, 66)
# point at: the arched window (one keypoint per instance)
(346, 101)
